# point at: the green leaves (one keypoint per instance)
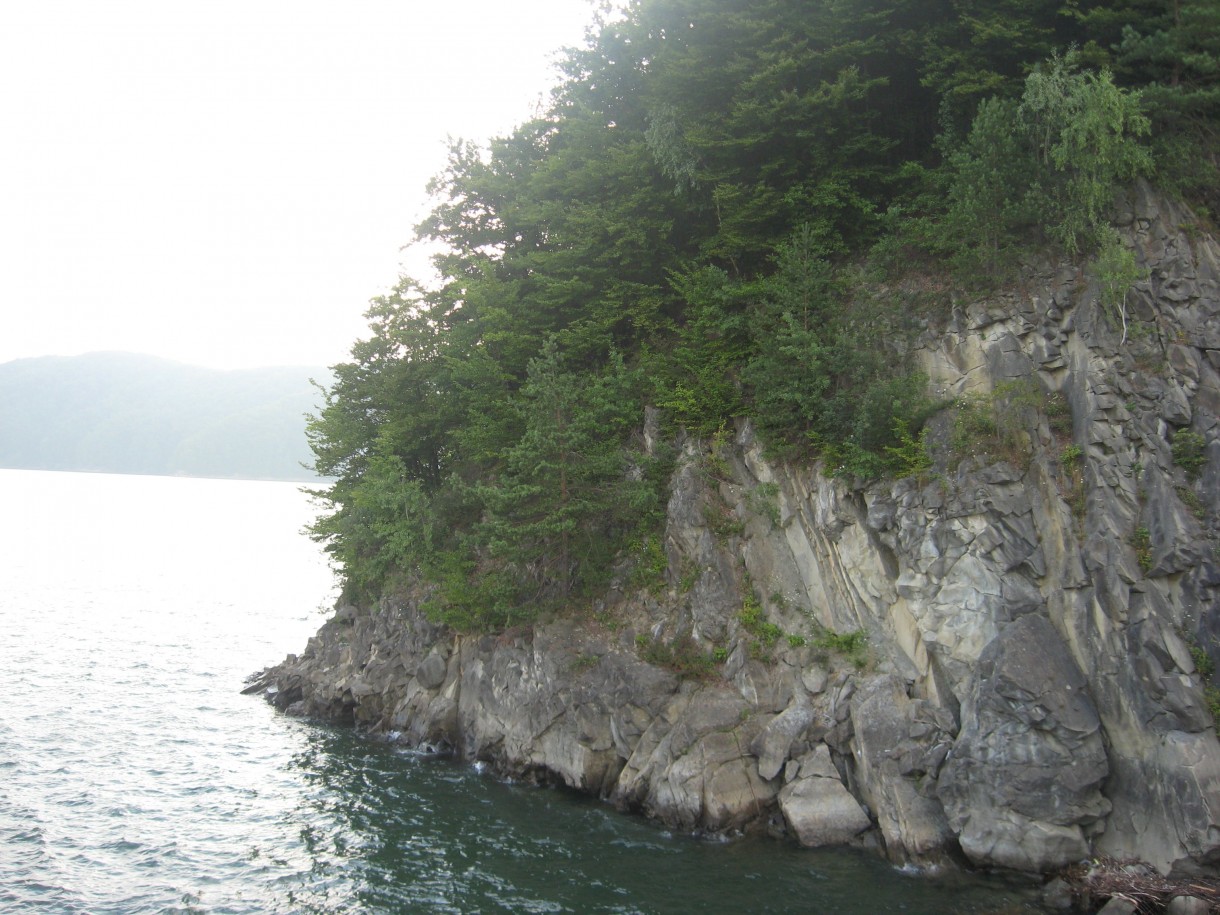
(565, 499)
(988, 194)
(1085, 132)
(1052, 162)
(1116, 272)
(695, 381)
(820, 377)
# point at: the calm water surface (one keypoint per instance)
(135, 778)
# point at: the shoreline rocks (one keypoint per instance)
(1005, 662)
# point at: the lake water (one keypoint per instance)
(134, 776)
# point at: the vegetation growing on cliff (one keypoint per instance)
(683, 226)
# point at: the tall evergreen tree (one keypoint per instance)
(559, 508)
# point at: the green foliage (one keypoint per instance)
(1051, 161)
(583, 662)
(763, 499)
(1058, 414)
(1072, 458)
(714, 462)
(995, 426)
(789, 375)
(690, 576)
(1071, 455)
(722, 520)
(563, 502)
(1141, 542)
(1116, 272)
(874, 421)
(1189, 450)
(470, 598)
(1085, 132)
(696, 383)
(763, 633)
(1191, 500)
(1077, 500)
(819, 379)
(607, 618)
(989, 206)
(851, 645)
(910, 457)
(766, 115)
(651, 562)
(683, 656)
(978, 49)
(1204, 665)
(1211, 694)
(513, 498)
(753, 621)
(1172, 50)
(387, 526)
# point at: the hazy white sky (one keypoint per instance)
(228, 182)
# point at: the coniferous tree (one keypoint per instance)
(559, 508)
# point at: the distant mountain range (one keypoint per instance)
(128, 413)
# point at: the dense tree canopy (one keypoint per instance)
(683, 227)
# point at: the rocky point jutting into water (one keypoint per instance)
(1004, 655)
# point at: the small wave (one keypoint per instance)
(910, 869)
(23, 895)
(123, 845)
(23, 835)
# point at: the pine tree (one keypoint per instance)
(559, 509)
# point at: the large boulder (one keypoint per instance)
(817, 806)
(1022, 784)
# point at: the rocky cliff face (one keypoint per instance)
(1004, 656)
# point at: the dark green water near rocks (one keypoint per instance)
(135, 778)
(426, 835)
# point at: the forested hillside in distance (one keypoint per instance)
(126, 413)
(729, 210)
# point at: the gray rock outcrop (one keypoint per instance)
(817, 806)
(1006, 658)
(1023, 785)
